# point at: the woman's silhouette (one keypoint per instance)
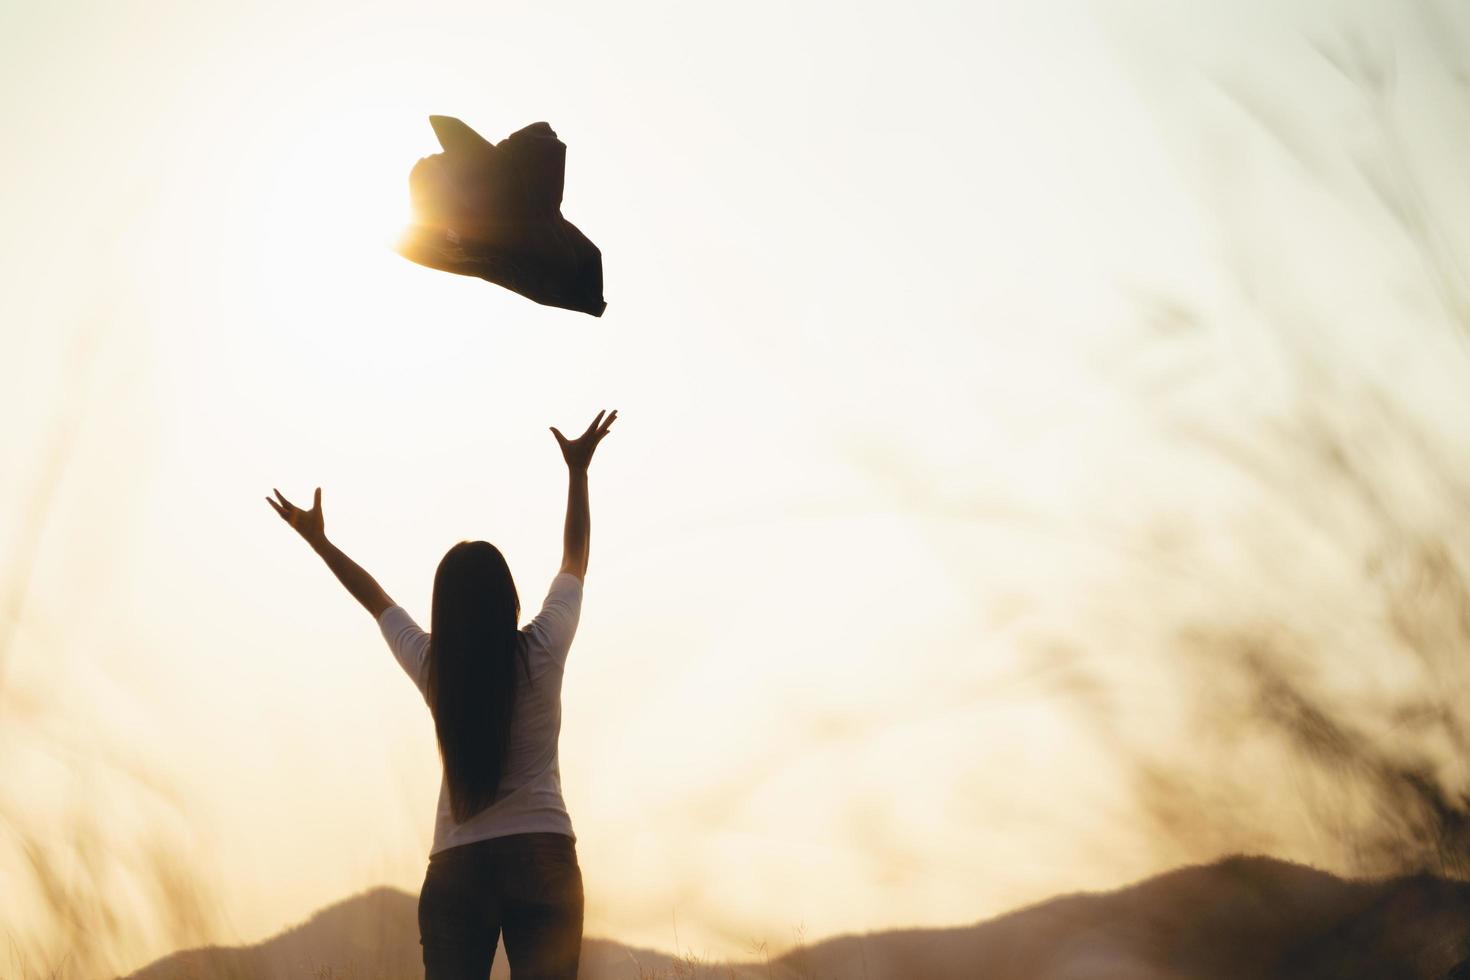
(503, 858)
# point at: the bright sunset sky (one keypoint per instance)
(887, 324)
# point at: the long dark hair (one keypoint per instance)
(472, 671)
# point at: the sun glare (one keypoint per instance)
(325, 204)
(340, 188)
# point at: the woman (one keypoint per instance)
(504, 858)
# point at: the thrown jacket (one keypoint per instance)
(493, 210)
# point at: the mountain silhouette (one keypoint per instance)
(1241, 917)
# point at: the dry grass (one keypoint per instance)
(1370, 729)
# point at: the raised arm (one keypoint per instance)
(577, 534)
(311, 527)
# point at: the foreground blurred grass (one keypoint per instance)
(1357, 683)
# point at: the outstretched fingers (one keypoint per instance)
(289, 512)
(579, 450)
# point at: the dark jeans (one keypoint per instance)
(525, 885)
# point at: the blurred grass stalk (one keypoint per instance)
(80, 896)
(1379, 769)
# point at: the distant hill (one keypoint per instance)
(1242, 917)
(372, 936)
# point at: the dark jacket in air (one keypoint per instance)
(493, 210)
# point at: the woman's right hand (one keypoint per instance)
(578, 452)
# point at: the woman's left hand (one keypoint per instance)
(307, 523)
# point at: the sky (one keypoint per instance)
(905, 304)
